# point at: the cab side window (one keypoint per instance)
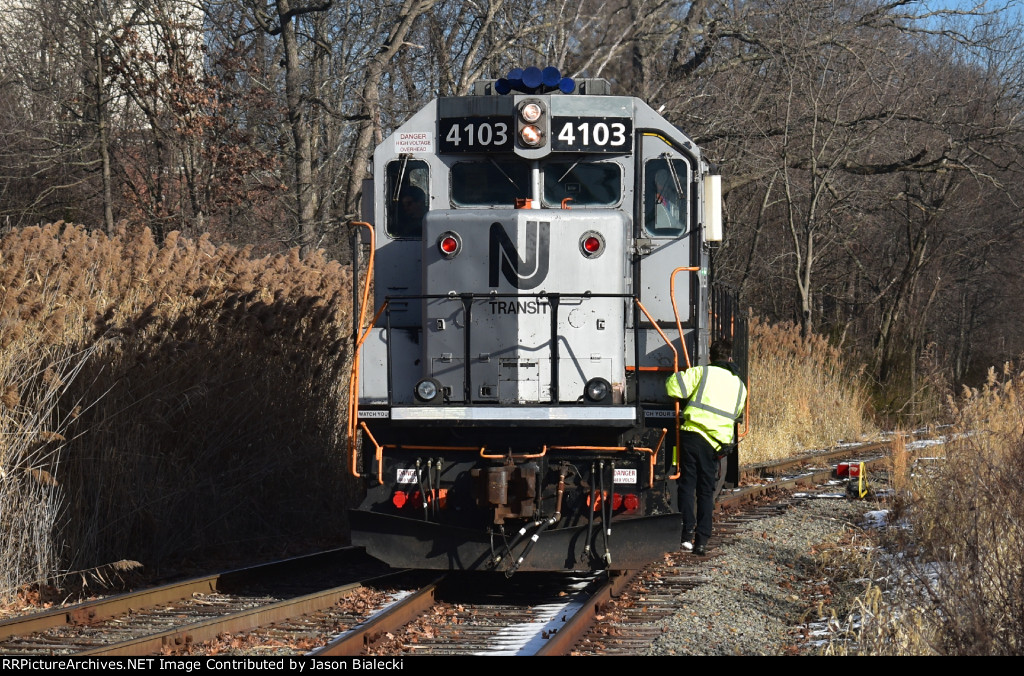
(665, 185)
(406, 199)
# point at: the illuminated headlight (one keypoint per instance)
(531, 135)
(597, 390)
(531, 112)
(427, 389)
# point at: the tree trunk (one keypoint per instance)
(104, 143)
(302, 150)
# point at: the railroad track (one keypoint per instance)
(347, 604)
(627, 623)
(807, 470)
(477, 614)
(172, 618)
(616, 612)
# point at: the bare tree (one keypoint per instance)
(282, 21)
(56, 54)
(370, 132)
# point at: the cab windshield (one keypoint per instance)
(494, 183)
(498, 183)
(596, 184)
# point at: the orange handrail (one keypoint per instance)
(381, 447)
(675, 368)
(682, 341)
(675, 352)
(653, 452)
(378, 454)
(353, 398)
(353, 381)
(675, 309)
(653, 369)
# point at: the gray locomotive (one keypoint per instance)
(540, 263)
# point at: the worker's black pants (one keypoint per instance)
(697, 485)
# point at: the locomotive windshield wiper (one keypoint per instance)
(401, 175)
(568, 171)
(498, 167)
(672, 170)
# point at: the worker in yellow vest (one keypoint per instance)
(715, 397)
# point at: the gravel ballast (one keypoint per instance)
(764, 583)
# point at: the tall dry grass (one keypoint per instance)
(803, 395)
(32, 428)
(159, 399)
(956, 586)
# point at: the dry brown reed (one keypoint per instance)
(957, 585)
(159, 399)
(162, 398)
(898, 464)
(803, 395)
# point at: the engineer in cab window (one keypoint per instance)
(665, 206)
(409, 212)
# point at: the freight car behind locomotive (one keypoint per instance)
(540, 259)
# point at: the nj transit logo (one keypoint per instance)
(521, 273)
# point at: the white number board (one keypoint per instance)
(592, 134)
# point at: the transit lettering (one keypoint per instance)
(518, 307)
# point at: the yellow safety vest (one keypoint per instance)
(716, 398)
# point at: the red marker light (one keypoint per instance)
(616, 501)
(399, 499)
(591, 244)
(449, 244)
(631, 502)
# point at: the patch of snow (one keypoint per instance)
(529, 637)
(876, 519)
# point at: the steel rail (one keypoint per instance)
(780, 466)
(356, 641)
(241, 621)
(95, 612)
(92, 611)
(580, 623)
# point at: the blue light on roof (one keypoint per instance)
(533, 80)
(551, 76)
(515, 78)
(532, 77)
